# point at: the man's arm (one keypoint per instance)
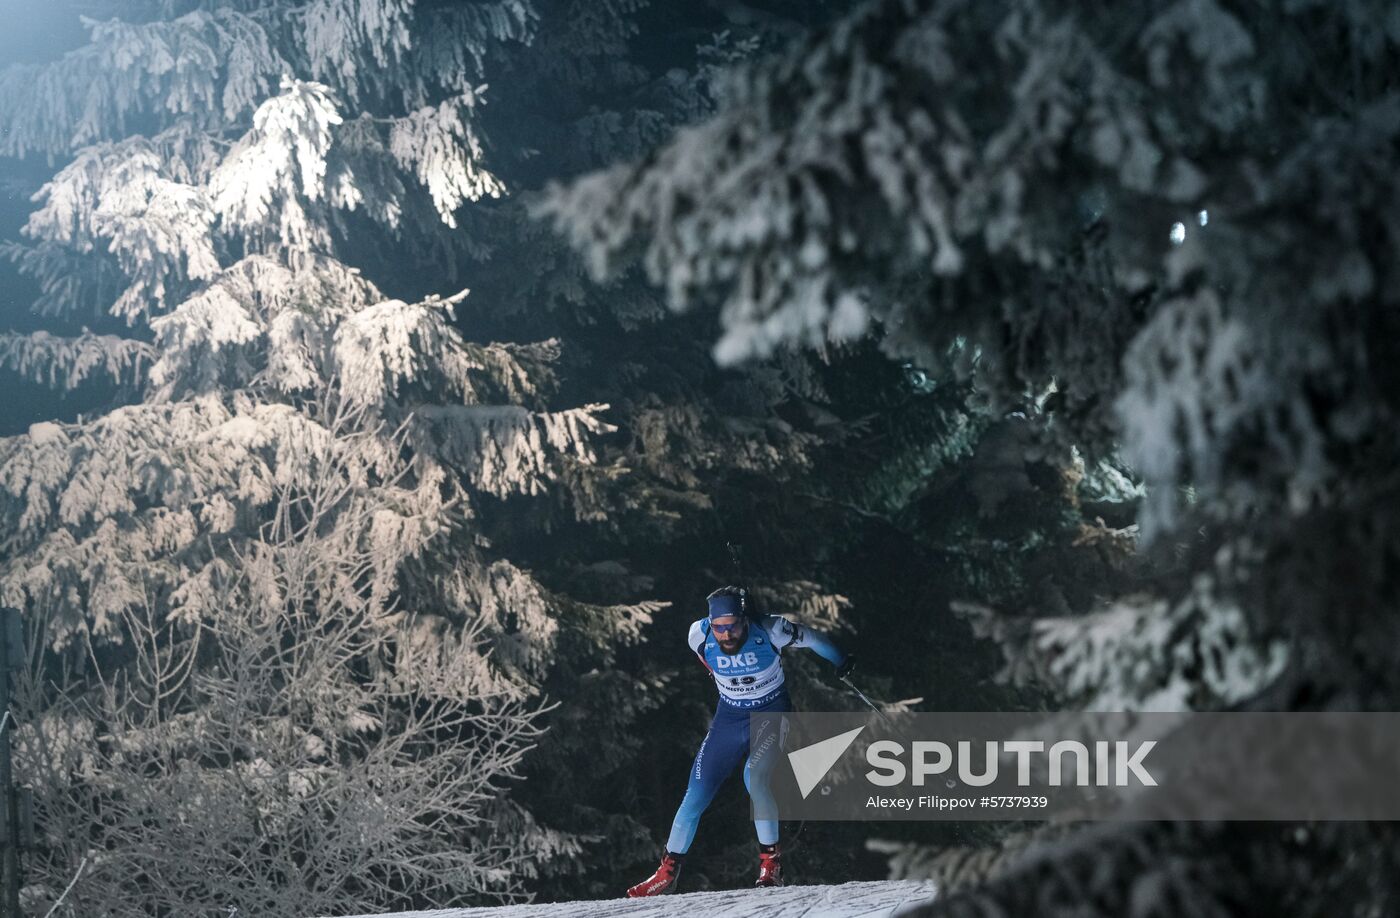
(696, 640)
(785, 634)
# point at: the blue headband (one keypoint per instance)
(725, 604)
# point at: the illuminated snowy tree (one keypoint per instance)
(273, 379)
(305, 738)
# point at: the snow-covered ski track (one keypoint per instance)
(848, 900)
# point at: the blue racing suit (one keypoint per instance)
(750, 681)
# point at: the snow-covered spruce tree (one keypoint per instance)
(214, 237)
(1167, 227)
(305, 743)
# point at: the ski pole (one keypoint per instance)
(868, 703)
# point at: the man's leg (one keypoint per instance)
(723, 749)
(766, 748)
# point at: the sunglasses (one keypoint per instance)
(726, 629)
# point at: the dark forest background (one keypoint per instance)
(1043, 357)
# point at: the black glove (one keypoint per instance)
(846, 666)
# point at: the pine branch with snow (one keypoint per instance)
(68, 362)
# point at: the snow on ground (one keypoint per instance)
(849, 900)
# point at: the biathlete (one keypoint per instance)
(744, 657)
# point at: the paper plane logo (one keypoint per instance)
(811, 763)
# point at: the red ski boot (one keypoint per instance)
(770, 868)
(661, 882)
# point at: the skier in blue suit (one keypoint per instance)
(744, 656)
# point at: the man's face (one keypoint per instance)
(730, 631)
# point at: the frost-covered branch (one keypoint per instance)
(67, 362)
(441, 147)
(77, 874)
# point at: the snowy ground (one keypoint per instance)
(868, 900)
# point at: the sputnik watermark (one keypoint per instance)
(1115, 764)
(1213, 766)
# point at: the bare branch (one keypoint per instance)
(71, 883)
